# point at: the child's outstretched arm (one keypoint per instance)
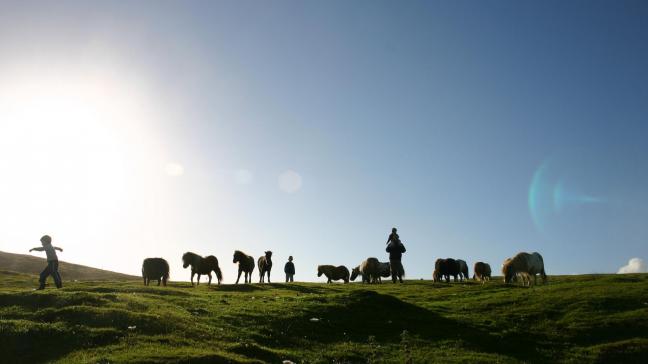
(59, 249)
(38, 249)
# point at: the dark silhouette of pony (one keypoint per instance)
(444, 268)
(200, 266)
(246, 264)
(482, 272)
(265, 265)
(155, 269)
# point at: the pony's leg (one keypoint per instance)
(192, 275)
(209, 275)
(261, 275)
(269, 276)
(159, 281)
(239, 277)
(198, 280)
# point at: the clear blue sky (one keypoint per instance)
(431, 116)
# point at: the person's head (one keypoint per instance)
(46, 240)
(394, 230)
(290, 258)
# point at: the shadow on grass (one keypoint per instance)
(239, 287)
(362, 316)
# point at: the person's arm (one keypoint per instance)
(59, 249)
(403, 248)
(38, 249)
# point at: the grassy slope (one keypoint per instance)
(34, 265)
(573, 319)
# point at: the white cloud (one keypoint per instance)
(635, 265)
(290, 181)
(174, 169)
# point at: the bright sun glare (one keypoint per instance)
(68, 143)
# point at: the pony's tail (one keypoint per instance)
(168, 271)
(219, 274)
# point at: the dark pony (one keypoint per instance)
(246, 264)
(444, 268)
(155, 269)
(200, 266)
(265, 265)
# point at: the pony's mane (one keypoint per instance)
(188, 255)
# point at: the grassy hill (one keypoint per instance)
(577, 319)
(28, 264)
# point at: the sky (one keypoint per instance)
(478, 128)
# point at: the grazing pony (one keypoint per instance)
(246, 264)
(463, 270)
(333, 273)
(369, 269)
(265, 265)
(524, 265)
(444, 268)
(155, 269)
(482, 272)
(200, 266)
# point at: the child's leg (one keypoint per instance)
(43, 276)
(287, 277)
(55, 274)
(291, 277)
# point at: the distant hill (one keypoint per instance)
(28, 264)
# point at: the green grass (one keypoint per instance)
(579, 319)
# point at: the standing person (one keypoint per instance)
(395, 249)
(289, 269)
(52, 262)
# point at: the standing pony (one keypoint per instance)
(524, 265)
(200, 266)
(265, 265)
(155, 269)
(463, 269)
(246, 264)
(482, 272)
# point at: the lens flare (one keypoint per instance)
(550, 195)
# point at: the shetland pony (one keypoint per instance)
(463, 269)
(525, 265)
(482, 272)
(246, 264)
(444, 268)
(369, 269)
(200, 266)
(333, 273)
(265, 265)
(155, 269)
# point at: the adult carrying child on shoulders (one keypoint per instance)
(395, 248)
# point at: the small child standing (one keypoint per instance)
(52, 262)
(289, 269)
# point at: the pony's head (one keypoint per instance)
(355, 272)
(319, 271)
(436, 276)
(508, 271)
(186, 259)
(268, 255)
(237, 256)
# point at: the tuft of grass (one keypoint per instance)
(573, 319)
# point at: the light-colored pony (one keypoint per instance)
(368, 269)
(482, 272)
(524, 265)
(333, 273)
(246, 264)
(265, 266)
(463, 270)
